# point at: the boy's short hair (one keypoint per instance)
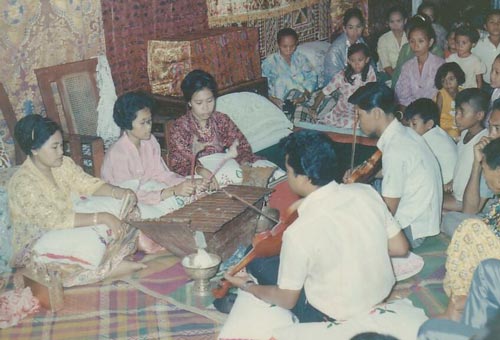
(312, 154)
(467, 31)
(287, 32)
(426, 108)
(491, 13)
(476, 98)
(443, 70)
(374, 95)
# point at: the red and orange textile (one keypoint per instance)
(231, 55)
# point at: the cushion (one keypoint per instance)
(83, 246)
(262, 122)
(251, 318)
(315, 51)
(230, 173)
(398, 318)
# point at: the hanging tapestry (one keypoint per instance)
(222, 12)
(43, 33)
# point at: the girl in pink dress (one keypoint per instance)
(357, 73)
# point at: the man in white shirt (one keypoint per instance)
(411, 186)
(331, 250)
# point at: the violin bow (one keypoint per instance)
(249, 205)
(354, 135)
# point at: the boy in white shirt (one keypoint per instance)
(423, 117)
(412, 186)
(488, 48)
(471, 107)
(466, 38)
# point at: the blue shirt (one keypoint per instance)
(282, 78)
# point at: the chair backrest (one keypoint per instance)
(10, 116)
(70, 95)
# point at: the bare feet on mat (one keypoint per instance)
(455, 308)
(126, 267)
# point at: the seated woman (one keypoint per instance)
(289, 70)
(43, 216)
(203, 131)
(474, 240)
(135, 161)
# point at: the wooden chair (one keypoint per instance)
(70, 96)
(10, 117)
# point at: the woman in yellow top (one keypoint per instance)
(448, 80)
(40, 202)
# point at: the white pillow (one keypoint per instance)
(83, 246)
(398, 318)
(252, 318)
(262, 122)
(315, 51)
(230, 173)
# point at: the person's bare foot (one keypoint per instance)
(455, 308)
(126, 267)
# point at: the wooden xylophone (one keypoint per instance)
(226, 222)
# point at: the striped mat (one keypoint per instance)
(425, 289)
(116, 311)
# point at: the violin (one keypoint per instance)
(265, 244)
(366, 170)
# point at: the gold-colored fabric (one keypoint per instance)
(221, 12)
(38, 34)
(37, 206)
(472, 242)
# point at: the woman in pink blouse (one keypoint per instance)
(203, 124)
(136, 156)
(417, 74)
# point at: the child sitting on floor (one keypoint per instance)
(448, 81)
(471, 105)
(357, 73)
(466, 38)
(423, 117)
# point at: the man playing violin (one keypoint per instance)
(411, 183)
(340, 241)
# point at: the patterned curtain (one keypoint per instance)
(222, 12)
(43, 33)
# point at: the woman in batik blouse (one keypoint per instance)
(40, 201)
(203, 125)
(475, 239)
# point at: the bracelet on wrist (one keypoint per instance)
(113, 193)
(247, 285)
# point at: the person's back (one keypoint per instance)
(420, 205)
(344, 250)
